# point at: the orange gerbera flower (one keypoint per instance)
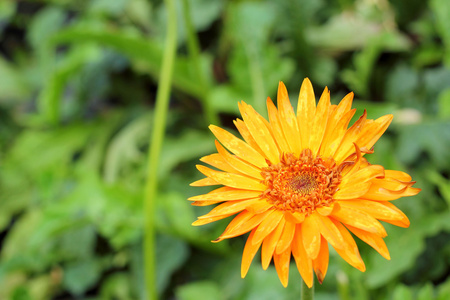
(300, 181)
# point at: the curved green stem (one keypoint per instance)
(307, 293)
(160, 116)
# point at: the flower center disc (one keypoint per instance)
(301, 184)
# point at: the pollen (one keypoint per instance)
(301, 184)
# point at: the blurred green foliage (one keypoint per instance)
(77, 90)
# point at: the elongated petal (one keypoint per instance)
(205, 182)
(320, 121)
(276, 127)
(270, 243)
(288, 120)
(282, 261)
(320, 264)
(303, 262)
(242, 225)
(249, 253)
(260, 133)
(231, 207)
(217, 161)
(286, 238)
(232, 180)
(373, 131)
(247, 136)
(372, 240)
(267, 226)
(238, 147)
(226, 194)
(352, 191)
(306, 111)
(378, 210)
(328, 230)
(311, 238)
(238, 164)
(378, 193)
(347, 144)
(210, 220)
(359, 219)
(333, 134)
(349, 252)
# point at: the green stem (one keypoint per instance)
(194, 52)
(307, 293)
(160, 116)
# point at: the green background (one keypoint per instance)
(78, 81)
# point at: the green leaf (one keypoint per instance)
(205, 290)
(402, 292)
(124, 149)
(444, 105)
(181, 149)
(171, 253)
(444, 291)
(441, 11)
(431, 136)
(79, 276)
(145, 54)
(426, 292)
(45, 23)
(14, 87)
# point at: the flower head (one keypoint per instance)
(299, 182)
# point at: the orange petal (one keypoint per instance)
(311, 238)
(373, 131)
(204, 203)
(336, 125)
(238, 147)
(327, 210)
(288, 120)
(378, 193)
(282, 261)
(351, 191)
(358, 219)
(230, 207)
(303, 262)
(242, 223)
(363, 175)
(294, 217)
(276, 127)
(328, 230)
(205, 182)
(246, 135)
(372, 240)
(232, 180)
(350, 252)
(225, 194)
(270, 243)
(399, 175)
(260, 132)
(210, 220)
(286, 237)
(320, 264)
(237, 163)
(260, 207)
(306, 110)
(250, 250)
(346, 147)
(267, 226)
(320, 121)
(217, 161)
(379, 210)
